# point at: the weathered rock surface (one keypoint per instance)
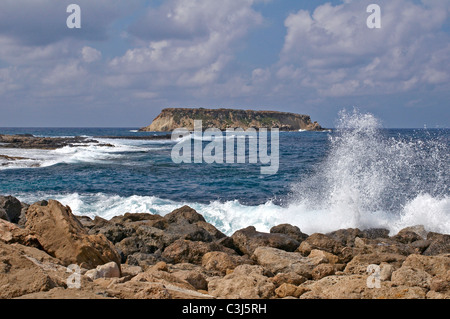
(182, 256)
(248, 239)
(61, 235)
(10, 209)
(245, 282)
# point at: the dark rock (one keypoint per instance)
(375, 233)
(23, 215)
(62, 236)
(407, 237)
(142, 260)
(248, 239)
(292, 231)
(346, 236)
(184, 213)
(186, 251)
(10, 209)
(325, 243)
(421, 245)
(440, 244)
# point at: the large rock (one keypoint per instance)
(25, 270)
(433, 265)
(411, 234)
(346, 236)
(325, 243)
(138, 235)
(10, 233)
(10, 209)
(355, 287)
(360, 263)
(62, 236)
(439, 244)
(292, 231)
(280, 261)
(223, 262)
(248, 239)
(245, 282)
(186, 251)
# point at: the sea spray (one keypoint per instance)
(361, 175)
(370, 179)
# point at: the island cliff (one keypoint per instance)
(173, 118)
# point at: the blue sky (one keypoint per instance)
(133, 58)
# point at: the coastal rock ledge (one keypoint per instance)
(174, 118)
(182, 256)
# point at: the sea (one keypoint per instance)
(358, 175)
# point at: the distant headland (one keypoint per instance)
(173, 118)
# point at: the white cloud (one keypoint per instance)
(90, 54)
(198, 42)
(404, 54)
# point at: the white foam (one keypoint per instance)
(231, 216)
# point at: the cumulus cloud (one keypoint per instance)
(90, 54)
(334, 52)
(188, 43)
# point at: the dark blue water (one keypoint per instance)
(141, 176)
(153, 173)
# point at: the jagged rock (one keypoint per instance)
(143, 237)
(292, 231)
(248, 239)
(289, 290)
(322, 271)
(406, 236)
(287, 278)
(61, 235)
(322, 257)
(22, 273)
(245, 282)
(375, 233)
(440, 244)
(411, 277)
(195, 278)
(10, 209)
(346, 236)
(360, 263)
(355, 287)
(186, 251)
(220, 261)
(10, 233)
(327, 244)
(184, 214)
(280, 261)
(433, 265)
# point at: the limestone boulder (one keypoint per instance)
(247, 240)
(62, 236)
(245, 282)
(280, 261)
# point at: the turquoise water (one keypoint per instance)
(365, 176)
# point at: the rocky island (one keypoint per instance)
(182, 256)
(173, 118)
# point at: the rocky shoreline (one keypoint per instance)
(181, 256)
(28, 141)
